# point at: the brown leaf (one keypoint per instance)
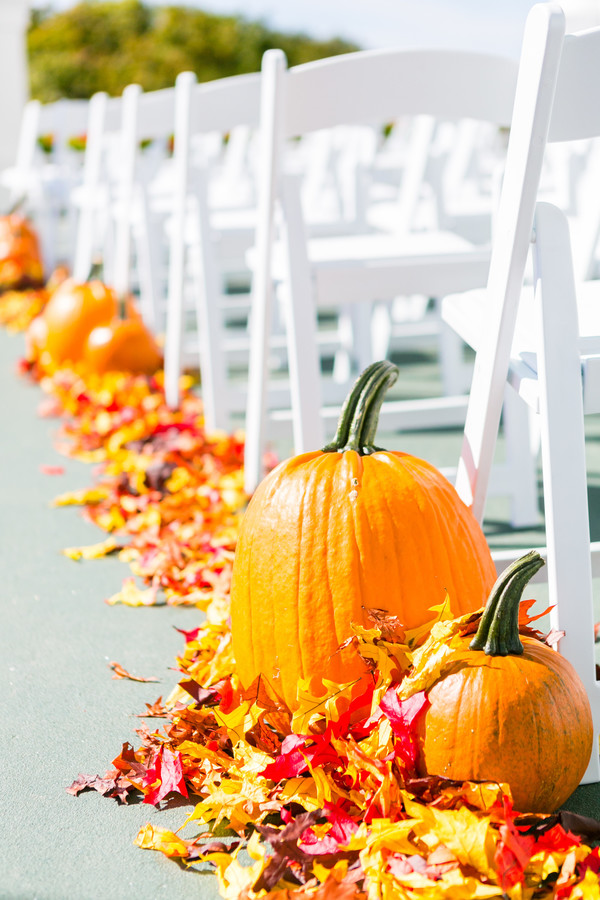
(202, 696)
(120, 672)
(582, 826)
(113, 785)
(392, 629)
(154, 710)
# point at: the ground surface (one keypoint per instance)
(61, 712)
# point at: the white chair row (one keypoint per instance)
(546, 97)
(532, 337)
(47, 167)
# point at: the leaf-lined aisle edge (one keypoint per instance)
(327, 801)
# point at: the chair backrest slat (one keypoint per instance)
(378, 86)
(155, 113)
(576, 110)
(226, 103)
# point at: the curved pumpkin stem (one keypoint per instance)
(360, 413)
(96, 272)
(16, 205)
(498, 632)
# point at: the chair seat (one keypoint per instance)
(466, 314)
(352, 268)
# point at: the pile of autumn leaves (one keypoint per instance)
(321, 803)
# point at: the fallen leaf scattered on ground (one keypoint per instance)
(120, 672)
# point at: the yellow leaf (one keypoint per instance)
(81, 498)
(430, 659)
(238, 721)
(131, 595)
(457, 886)
(467, 836)
(337, 872)
(302, 791)
(93, 551)
(152, 837)
(234, 879)
(588, 889)
(178, 479)
(313, 707)
(322, 784)
(383, 834)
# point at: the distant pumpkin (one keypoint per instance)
(73, 310)
(21, 263)
(123, 345)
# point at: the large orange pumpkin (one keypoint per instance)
(332, 532)
(508, 708)
(21, 263)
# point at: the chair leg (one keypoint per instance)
(148, 264)
(381, 329)
(213, 368)
(564, 463)
(521, 461)
(301, 327)
(453, 367)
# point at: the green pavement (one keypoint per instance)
(61, 711)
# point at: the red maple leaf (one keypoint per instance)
(164, 776)
(402, 715)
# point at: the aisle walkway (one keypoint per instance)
(61, 712)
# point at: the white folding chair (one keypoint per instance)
(91, 198)
(146, 118)
(43, 179)
(534, 341)
(212, 225)
(214, 107)
(371, 86)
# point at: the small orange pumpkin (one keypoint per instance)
(124, 345)
(508, 708)
(36, 337)
(21, 263)
(333, 531)
(73, 310)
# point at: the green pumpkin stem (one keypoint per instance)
(360, 413)
(498, 632)
(96, 272)
(16, 205)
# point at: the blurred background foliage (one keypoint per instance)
(103, 46)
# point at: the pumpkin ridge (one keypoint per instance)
(311, 486)
(325, 573)
(346, 460)
(433, 540)
(399, 550)
(440, 512)
(298, 637)
(247, 612)
(245, 615)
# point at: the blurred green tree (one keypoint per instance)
(99, 45)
